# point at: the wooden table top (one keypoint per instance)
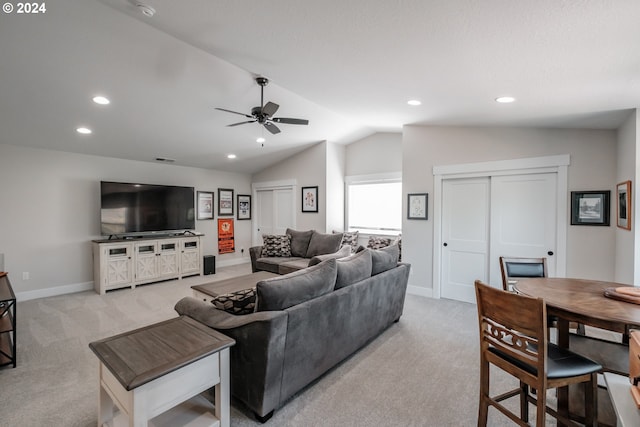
(582, 301)
(142, 355)
(233, 284)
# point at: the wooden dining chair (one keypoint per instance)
(514, 337)
(514, 268)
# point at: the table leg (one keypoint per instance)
(222, 391)
(563, 392)
(105, 404)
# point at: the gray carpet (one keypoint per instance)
(423, 371)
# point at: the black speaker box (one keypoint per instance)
(209, 264)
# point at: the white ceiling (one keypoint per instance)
(349, 66)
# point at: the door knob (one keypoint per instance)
(445, 244)
(550, 253)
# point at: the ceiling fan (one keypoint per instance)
(263, 114)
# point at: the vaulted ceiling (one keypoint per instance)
(349, 67)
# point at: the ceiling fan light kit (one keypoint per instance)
(263, 114)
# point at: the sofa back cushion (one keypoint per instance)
(276, 245)
(384, 259)
(353, 269)
(280, 293)
(321, 244)
(299, 242)
(344, 251)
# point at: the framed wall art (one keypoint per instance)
(205, 205)
(225, 201)
(310, 199)
(244, 206)
(417, 204)
(623, 193)
(590, 207)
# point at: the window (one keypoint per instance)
(374, 204)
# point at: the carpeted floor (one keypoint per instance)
(423, 371)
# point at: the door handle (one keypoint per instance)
(445, 244)
(550, 253)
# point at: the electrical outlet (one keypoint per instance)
(25, 275)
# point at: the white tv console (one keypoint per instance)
(123, 263)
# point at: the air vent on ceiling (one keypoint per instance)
(163, 159)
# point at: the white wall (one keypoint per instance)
(627, 269)
(590, 250)
(51, 212)
(336, 158)
(375, 154)
(309, 169)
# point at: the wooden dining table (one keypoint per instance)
(582, 301)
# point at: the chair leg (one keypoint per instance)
(591, 401)
(541, 407)
(524, 402)
(483, 405)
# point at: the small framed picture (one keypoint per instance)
(417, 204)
(310, 199)
(244, 206)
(205, 205)
(590, 207)
(623, 191)
(225, 201)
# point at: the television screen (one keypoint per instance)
(128, 208)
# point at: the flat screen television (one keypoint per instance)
(139, 209)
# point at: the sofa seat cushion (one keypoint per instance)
(291, 266)
(299, 241)
(280, 293)
(238, 302)
(276, 245)
(322, 244)
(353, 268)
(272, 264)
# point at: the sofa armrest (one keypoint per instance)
(257, 358)
(255, 252)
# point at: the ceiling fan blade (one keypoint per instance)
(270, 108)
(271, 127)
(242, 123)
(289, 121)
(234, 112)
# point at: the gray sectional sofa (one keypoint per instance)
(306, 322)
(296, 250)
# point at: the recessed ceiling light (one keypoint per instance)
(145, 9)
(414, 102)
(84, 131)
(505, 99)
(260, 140)
(231, 156)
(101, 100)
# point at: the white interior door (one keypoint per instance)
(465, 236)
(274, 212)
(523, 219)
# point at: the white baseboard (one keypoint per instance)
(55, 291)
(420, 291)
(233, 261)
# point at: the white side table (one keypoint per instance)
(151, 370)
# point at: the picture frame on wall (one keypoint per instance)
(590, 207)
(310, 199)
(205, 205)
(225, 201)
(623, 193)
(417, 205)
(244, 206)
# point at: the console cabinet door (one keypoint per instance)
(145, 261)
(118, 265)
(190, 259)
(168, 261)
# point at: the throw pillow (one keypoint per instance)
(344, 251)
(280, 293)
(276, 245)
(376, 242)
(349, 238)
(353, 268)
(321, 244)
(398, 242)
(299, 242)
(239, 302)
(384, 259)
